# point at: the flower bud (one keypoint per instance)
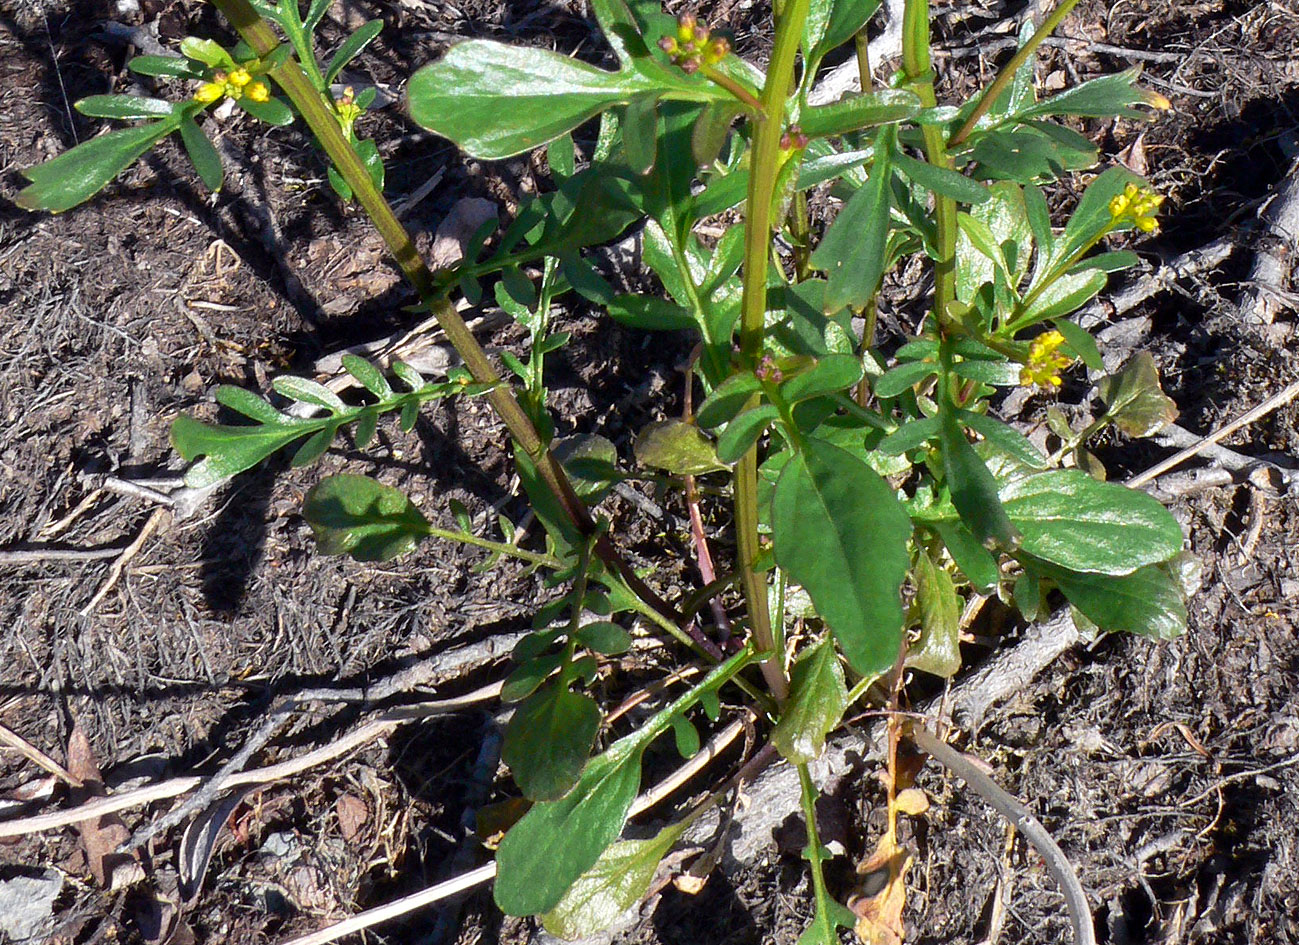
(686, 23)
(209, 92)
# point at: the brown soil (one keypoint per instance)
(1166, 770)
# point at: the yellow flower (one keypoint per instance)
(258, 92)
(1138, 206)
(1044, 361)
(209, 92)
(240, 77)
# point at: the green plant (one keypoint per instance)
(881, 486)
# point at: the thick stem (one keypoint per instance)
(324, 125)
(757, 249)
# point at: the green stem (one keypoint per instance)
(717, 77)
(320, 118)
(824, 902)
(1011, 324)
(765, 163)
(511, 551)
(863, 46)
(1007, 74)
(918, 67)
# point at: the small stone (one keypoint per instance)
(27, 906)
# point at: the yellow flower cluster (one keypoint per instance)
(1139, 205)
(1044, 361)
(235, 84)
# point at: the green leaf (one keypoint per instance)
(650, 313)
(1134, 400)
(357, 516)
(555, 842)
(1147, 602)
(829, 375)
(1108, 96)
(548, 741)
(853, 250)
(124, 106)
(1026, 154)
(351, 48)
(686, 737)
(591, 462)
(77, 175)
(841, 533)
(315, 447)
(495, 101)
(1069, 519)
(909, 436)
(1067, 294)
(315, 13)
(898, 380)
(712, 130)
(818, 697)
(561, 156)
(620, 29)
(727, 399)
(938, 651)
(251, 406)
(604, 637)
(742, 432)
(366, 424)
(1081, 343)
(272, 111)
(676, 447)
(976, 562)
(1005, 438)
(1092, 217)
(525, 678)
(858, 112)
(229, 449)
(369, 376)
(995, 373)
(640, 132)
(308, 391)
(164, 66)
(818, 170)
(973, 488)
(846, 18)
(941, 181)
(207, 51)
(202, 154)
(619, 879)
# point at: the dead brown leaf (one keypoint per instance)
(100, 838)
(882, 894)
(352, 815)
